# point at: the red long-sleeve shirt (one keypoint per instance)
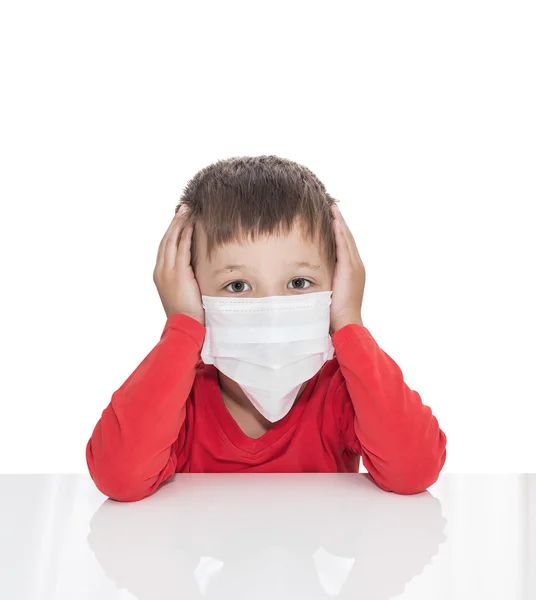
(169, 417)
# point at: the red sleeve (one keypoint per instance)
(133, 448)
(398, 437)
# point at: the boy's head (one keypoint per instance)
(270, 215)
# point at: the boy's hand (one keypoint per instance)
(349, 278)
(173, 274)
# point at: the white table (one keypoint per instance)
(269, 536)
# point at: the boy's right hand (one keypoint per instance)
(173, 275)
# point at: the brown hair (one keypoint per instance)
(242, 197)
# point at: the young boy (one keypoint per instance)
(264, 364)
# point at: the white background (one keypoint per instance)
(418, 116)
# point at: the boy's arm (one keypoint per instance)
(133, 448)
(398, 437)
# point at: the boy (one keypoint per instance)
(251, 375)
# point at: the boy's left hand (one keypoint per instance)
(349, 279)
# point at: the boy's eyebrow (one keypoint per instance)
(229, 268)
(306, 265)
(300, 264)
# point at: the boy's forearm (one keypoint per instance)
(129, 453)
(402, 446)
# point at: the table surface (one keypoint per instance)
(260, 536)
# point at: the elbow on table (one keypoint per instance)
(422, 470)
(405, 485)
(123, 491)
(411, 477)
(119, 483)
(413, 485)
(119, 488)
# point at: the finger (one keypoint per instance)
(172, 243)
(340, 236)
(164, 250)
(351, 243)
(348, 235)
(184, 254)
(161, 248)
(343, 253)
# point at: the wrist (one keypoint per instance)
(355, 320)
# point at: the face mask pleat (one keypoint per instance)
(254, 375)
(268, 353)
(269, 334)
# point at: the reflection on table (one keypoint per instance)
(310, 536)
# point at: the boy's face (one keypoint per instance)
(268, 266)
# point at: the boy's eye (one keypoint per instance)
(236, 287)
(302, 283)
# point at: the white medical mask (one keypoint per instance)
(270, 346)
